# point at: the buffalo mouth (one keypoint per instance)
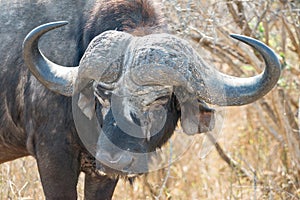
(113, 158)
(122, 164)
(104, 170)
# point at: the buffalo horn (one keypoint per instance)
(241, 91)
(55, 77)
(184, 69)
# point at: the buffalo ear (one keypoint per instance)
(196, 117)
(86, 102)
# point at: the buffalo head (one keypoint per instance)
(132, 90)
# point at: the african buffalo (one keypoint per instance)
(130, 84)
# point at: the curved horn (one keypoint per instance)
(241, 91)
(55, 77)
(172, 61)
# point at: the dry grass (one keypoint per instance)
(263, 138)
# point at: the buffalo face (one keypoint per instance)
(130, 91)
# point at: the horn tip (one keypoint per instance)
(237, 36)
(37, 32)
(57, 24)
(245, 39)
(52, 25)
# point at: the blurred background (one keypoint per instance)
(257, 153)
